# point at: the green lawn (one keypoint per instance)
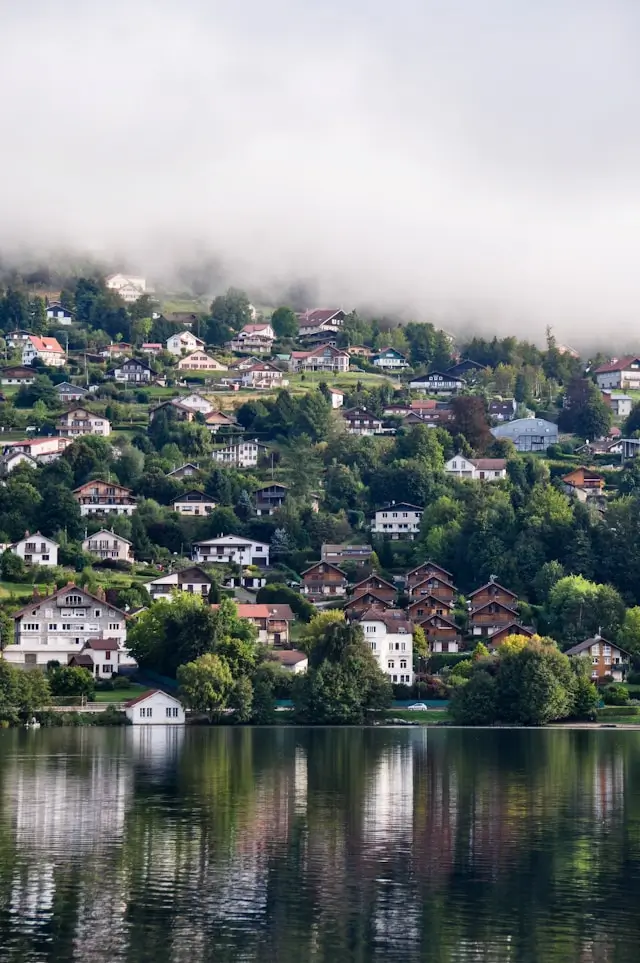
(121, 695)
(431, 717)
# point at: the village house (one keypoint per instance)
(513, 628)
(105, 544)
(43, 450)
(503, 410)
(528, 434)
(620, 405)
(270, 497)
(325, 357)
(336, 397)
(478, 469)
(324, 321)
(583, 484)
(390, 360)
(390, 637)
(608, 660)
(466, 368)
(155, 708)
(323, 580)
(359, 555)
(397, 520)
(241, 454)
(620, 373)
(216, 420)
(271, 620)
(197, 402)
(36, 549)
(47, 350)
(188, 470)
(200, 361)
(442, 634)
(231, 548)
(193, 503)
(291, 660)
(426, 606)
(78, 422)
(117, 349)
(102, 658)
(434, 585)
(263, 375)
(17, 375)
(130, 287)
(99, 497)
(255, 338)
(17, 339)
(152, 348)
(176, 408)
(359, 421)
(437, 383)
(133, 371)
(375, 583)
(425, 570)
(57, 627)
(492, 606)
(361, 603)
(193, 580)
(70, 393)
(62, 316)
(360, 351)
(183, 343)
(11, 459)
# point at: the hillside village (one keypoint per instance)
(432, 491)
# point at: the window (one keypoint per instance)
(595, 660)
(32, 627)
(97, 613)
(607, 650)
(45, 558)
(391, 665)
(607, 660)
(66, 626)
(373, 646)
(403, 664)
(114, 626)
(108, 667)
(53, 626)
(73, 600)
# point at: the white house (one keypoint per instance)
(389, 360)
(200, 361)
(263, 375)
(483, 469)
(133, 371)
(621, 405)
(325, 357)
(619, 373)
(390, 636)
(231, 548)
(193, 503)
(437, 383)
(11, 459)
(155, 708)
(78, 422)
(102, 657)
(253, 339)
(47, 350)
(36, 549)
(337, 397)
(106, 544)
(55, 312)
(291, 660)
(242, 454)
(129, 287)
(193, 580)
(320, 320)
(183, 343)
(57, 627)
(397, 520)
(197, 402)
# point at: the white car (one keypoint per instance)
(418, 707)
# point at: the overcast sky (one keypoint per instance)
(470, 161)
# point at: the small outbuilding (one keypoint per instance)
(155, 708)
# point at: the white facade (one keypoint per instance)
(129, 287)
(47, 350)
(106, 544)
(36, 549)
(79, 422)
(437, 382)
(194, 503)
(482, 469)
(397, 521)
(390, 360)
(57, 627)
(155, 709)
(200, 361)
(624, 374)
(337, 398)
(393, 650)
(195, 581)
(183, 343)
(621, 405)
(231, 548)
(243, 454)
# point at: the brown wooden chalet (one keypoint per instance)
(377, 584)
(423, 608)
(433, 585)
(492, 592)
(513, 628)
(442, 634)
(359, 604)
(427, 570)
(324, 580)
(490, 617)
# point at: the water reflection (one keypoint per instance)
(288, 845)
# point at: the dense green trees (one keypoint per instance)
(584, 412)
(284, 322)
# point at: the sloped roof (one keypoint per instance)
(45, 344)
(496, 585)
(583, 646)
(148, 695)
(288, 656)
(70, 586)
(102, 645)
(620, 364)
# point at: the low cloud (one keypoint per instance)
(474, 164)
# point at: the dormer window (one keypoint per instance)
(73, 600)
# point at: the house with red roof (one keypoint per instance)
(47, 350)
(619, 373)
(272, 620)
(256, 338)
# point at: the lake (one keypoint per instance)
(285, 845)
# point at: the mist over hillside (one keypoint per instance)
(474, 164)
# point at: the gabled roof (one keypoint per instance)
(368, 593)
(202, 497)
(45, 344)
(489, 464)
(138, 362)
(496, 585)
(67, 384)
(101, 481)
(513, 628)
(272, 484)
(319, 315)
(389, 350)
(583, 646)
(82, 661)
(287, 656)
(441, 618)
(394, 620)
(427, 578)
(507, 608)
(101, 645)
(255, 328)
(70, 586)
(444, 375)
(219, 417)
(620, 364)
(394, 506)
(431, 599)
(433, 565)
(374, 576)
(188, 464)
(336, 568)
(148, 695)
(110, 533)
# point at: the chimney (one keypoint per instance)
(36, 593)
(100, 594)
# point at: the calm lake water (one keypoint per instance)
(294, 845)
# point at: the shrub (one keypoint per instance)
(633, 678)
(615, 695)
(120, 682)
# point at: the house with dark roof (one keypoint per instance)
(442, 634)
(513, 628)
(389, 359)
(324, 580)
(477, 469)
(132, 371)
(503, 410)
(608, 660)
(290, 659)
(397, 520)
(437, 383)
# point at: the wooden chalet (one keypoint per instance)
(428, 605)
(359, 604)
(324, 580)
(433, 585)
(492, 592)
(426, 570)
(513, 628)
(378, 585)
(488, 618)
(442, 634)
